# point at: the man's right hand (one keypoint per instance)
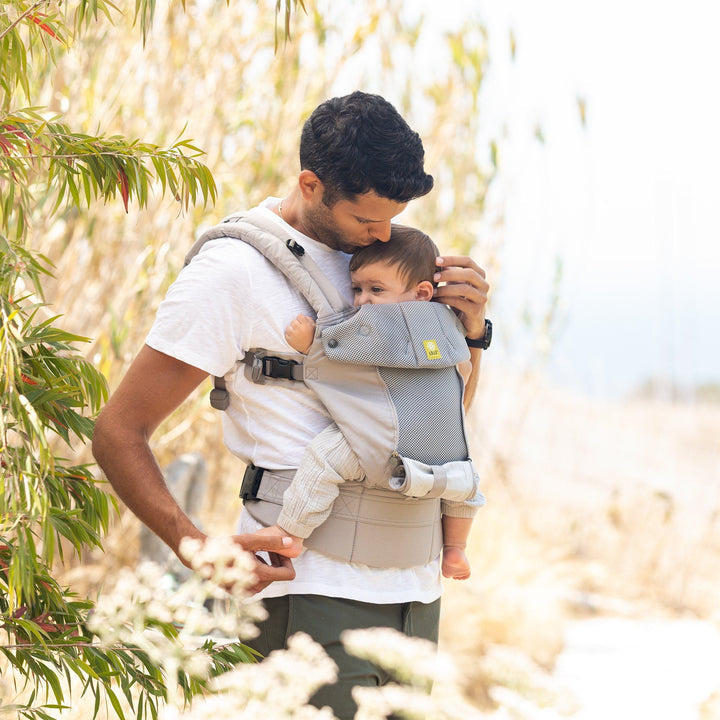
(215, 557)
(281, 567)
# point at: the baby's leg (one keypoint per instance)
(455, 534)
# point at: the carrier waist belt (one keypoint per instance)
(374, 527)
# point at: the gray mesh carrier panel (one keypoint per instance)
(361, 343)
(399, 335)
(424, 415)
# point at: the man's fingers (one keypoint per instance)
(281, 569)
(255, 543)
(469, 302)
(459, 261)
(281, 561)
(463, 275)
(461, 291)
(465, 289)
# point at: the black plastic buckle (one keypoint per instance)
(276, 367)
(251, 482)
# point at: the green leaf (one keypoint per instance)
(115, 702)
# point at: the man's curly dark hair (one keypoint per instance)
(360, 143)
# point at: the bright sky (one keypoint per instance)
(630, 201)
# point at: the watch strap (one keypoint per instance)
(484, 342)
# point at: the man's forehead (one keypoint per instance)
(373, 208)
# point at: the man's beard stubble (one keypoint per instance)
(320, 225)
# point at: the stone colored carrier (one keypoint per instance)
(387, 375)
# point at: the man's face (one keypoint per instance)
(351, 224)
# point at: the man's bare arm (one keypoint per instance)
(154, 386)
(473, 378)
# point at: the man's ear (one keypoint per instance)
(310, 186)
(424, 290)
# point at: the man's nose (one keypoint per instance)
(381, 231)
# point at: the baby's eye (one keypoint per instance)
(356, 291)
(377, 289)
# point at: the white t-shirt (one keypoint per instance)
(228, 300)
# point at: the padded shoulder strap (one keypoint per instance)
(286, 254)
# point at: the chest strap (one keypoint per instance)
(261, 366)
(374, 527)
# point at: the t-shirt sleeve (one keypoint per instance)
(207, 312)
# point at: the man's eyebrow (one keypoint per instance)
(366, 220)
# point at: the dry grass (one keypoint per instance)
(628, 489)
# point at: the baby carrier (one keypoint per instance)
(387, 376)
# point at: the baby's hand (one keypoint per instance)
(292, 550)
(300, 333)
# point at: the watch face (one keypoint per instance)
(488, 334)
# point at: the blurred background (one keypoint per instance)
(575, 150)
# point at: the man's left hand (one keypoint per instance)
(465, 290)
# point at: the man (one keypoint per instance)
(360, 166)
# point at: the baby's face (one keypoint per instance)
(379, 284)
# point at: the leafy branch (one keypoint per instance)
(80, 168)
(49, 392)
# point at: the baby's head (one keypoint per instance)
(398, 270)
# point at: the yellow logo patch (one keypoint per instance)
(432, 350)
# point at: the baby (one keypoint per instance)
(399, 270)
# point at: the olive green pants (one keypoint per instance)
(324, 619)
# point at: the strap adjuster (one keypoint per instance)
(251, 482)
(295, 247)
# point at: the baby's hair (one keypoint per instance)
(409, 249)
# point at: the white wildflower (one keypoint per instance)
(280, 687)
(430, 690)
(144, 599)
(221, 561)
(378, 703)
(409, 659)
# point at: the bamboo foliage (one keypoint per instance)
(81, 168)
(50, 391)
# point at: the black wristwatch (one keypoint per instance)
(484, 342)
